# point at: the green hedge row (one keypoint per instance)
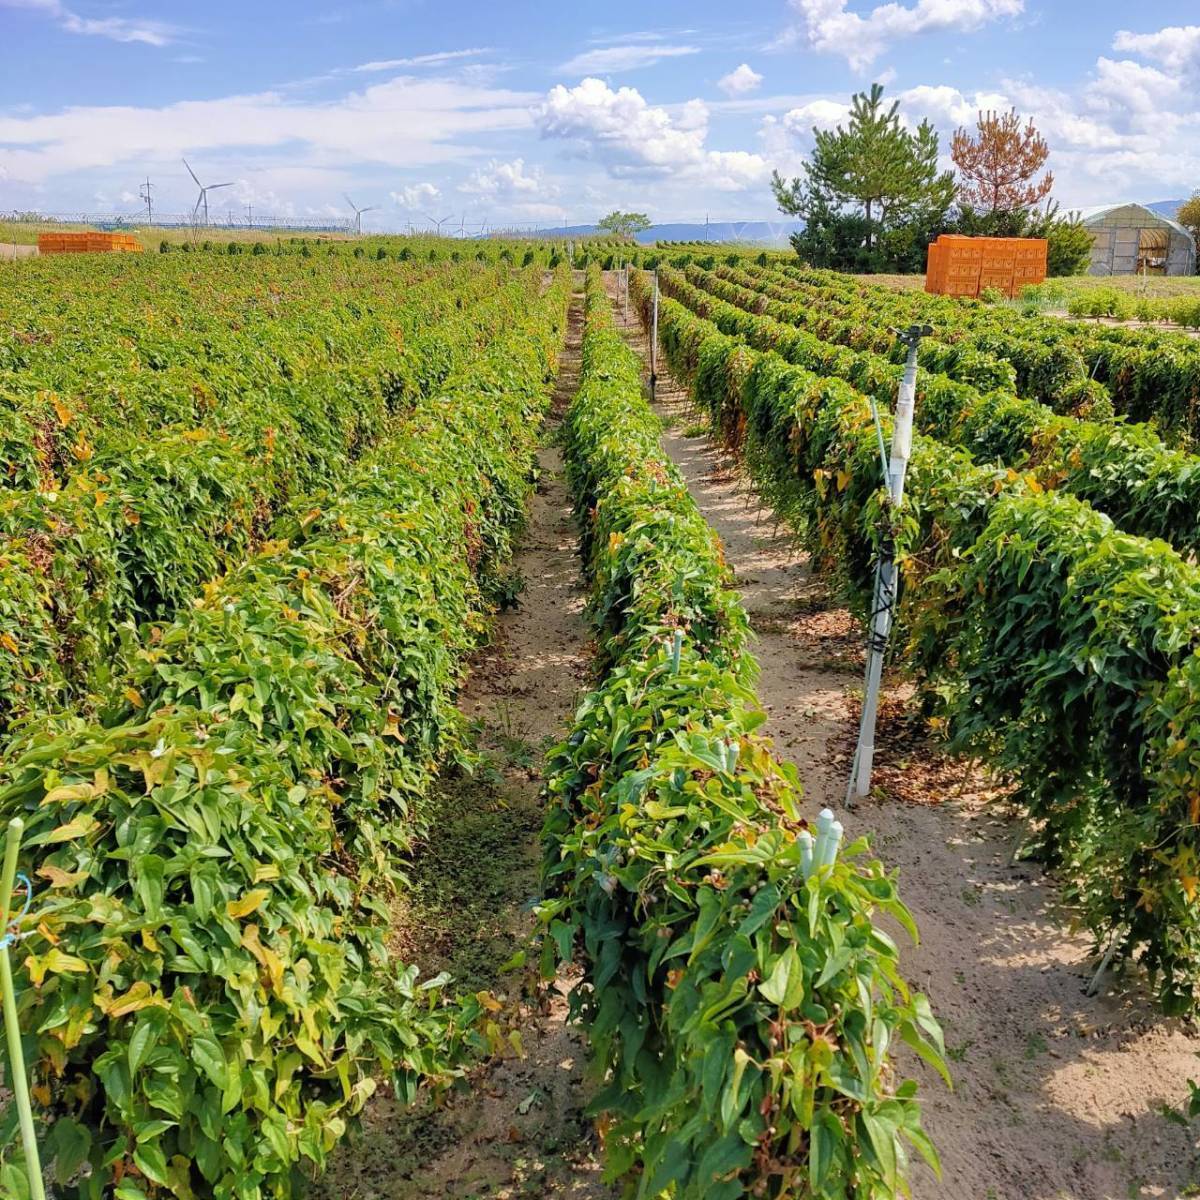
(975, 348)
(1150, 375)
(100, 347)
(208, 997)
(132, 534)
(741, 1015)
(1064, 651)
(1123, 470)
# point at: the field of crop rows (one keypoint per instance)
(1051, 603)
(257, 512)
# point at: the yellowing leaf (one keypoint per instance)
(66, 792)
(61, 410)
(489, 1001)
(60, 963)
(134, 697)
(59, 878)
(81, 826)
(9, 643)
(249, 903)
(53, 962)
(138, 997)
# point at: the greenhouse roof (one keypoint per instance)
(1090, 216)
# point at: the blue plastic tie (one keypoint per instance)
(12, 936)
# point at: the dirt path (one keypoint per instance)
(518, 1130)
(1057, 1096)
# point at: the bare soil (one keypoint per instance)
(1057, 1096)
(517, 1130)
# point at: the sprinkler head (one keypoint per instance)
(913, 334)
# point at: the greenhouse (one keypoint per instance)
(1131, 239)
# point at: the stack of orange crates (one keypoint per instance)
(88, 242)
(966, 266)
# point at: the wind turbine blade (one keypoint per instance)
(217, 185)
(373, 208)
(350, 202)
(192, 173)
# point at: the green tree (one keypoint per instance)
(1189, 216)
(1069, 242)
(865, 181)
(623, 224)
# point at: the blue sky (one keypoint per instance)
(536, 112)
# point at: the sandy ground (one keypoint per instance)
(518, 1130)
(1058, 1096)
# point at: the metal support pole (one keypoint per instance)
(654, 341)
(886, 576)
(626, 281)
(16, 1058)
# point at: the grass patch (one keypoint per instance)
(470, 882)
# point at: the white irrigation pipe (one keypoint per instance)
(886, 576)
(822, 850)
(16, 1058)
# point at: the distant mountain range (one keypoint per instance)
(1166, 208)
(768, 233)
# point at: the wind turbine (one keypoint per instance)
(358, 214)
(202, 199)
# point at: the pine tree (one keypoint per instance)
(873, 165)
(998, 164)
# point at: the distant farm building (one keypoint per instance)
(1130, 239)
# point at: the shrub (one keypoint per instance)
(739, 1051)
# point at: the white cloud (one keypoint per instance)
(416, 196)
(829, 28)
(404, 122)
(633, 139)
(627, 57)
(1128, 132)
(117, 29)
(741, 81)
(1125, 86)
(788, 139)
(421, 60)
(1177, 47)
(507, 181)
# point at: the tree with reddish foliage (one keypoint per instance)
(999, 163)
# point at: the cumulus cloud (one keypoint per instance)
(1177, 47)
(625, 57)
(634, 139)
(787, 140)
(117, 29)
(416, 196)
(740, 81)
(1128, 129)
(829, 27)
(507, 181)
